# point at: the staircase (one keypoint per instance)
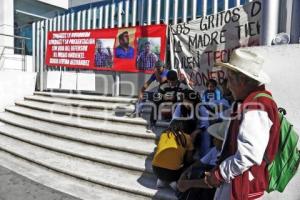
(81, 145)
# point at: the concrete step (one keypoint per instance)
(78, 149)
(88, 97)
(91, 124)
(112, 110)
(109, 176)
(80, 112)
(128, 107)
(64, 183)
(102, 139)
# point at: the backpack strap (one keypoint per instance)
(269, 97)
(263, 95)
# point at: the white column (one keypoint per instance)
(83, 17)
(94, 17)
(167, 11)
(270, 18)
(175, 11)
(149, 13)
(42, 60)
(112, 15)
(51, 24)
(184, 10)
(158, 7)
(78, 20)
(126, 13)
(100, 25)
(63, 22)
(54, 27)
(120, 8)
(204, 8)
(7, 24)
(68, 21)
(72, 21)
(59, 23)
(194, 9)
(226, 4)
(33, 47)
(141, 11)
(215, 7)
(106, 16)
(134, 7)
(89, 18)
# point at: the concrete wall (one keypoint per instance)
(282, 63)
(15, 62)
(6, 22)
(14, 86)
(130, 83)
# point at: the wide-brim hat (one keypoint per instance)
(217, 130)
(248, 63)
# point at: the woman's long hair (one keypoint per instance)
(177, 128)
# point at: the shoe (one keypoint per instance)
(173, 185)
(161, 184)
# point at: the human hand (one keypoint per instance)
(213, 178)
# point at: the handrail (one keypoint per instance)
(22, 48)
(15, 36)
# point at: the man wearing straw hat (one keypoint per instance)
(253, 135)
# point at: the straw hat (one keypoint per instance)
(248, 63)
(218, 130)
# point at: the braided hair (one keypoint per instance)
(177, 128)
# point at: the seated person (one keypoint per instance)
(186, 109)
(210, 111)
(174, 150)
(169, 92)
(160, 76)
(212, 92)
(191, 182)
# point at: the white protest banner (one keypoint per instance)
(198, 44)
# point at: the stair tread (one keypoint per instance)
(61, 182)
(81, 103)
(121, 142)
(118, 178)
(82, 112)
(122, 159)
(87, 97)
(95, 124)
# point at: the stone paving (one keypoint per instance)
(17, 187)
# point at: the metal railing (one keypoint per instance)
(22, 48)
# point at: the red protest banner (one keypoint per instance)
(134, 49)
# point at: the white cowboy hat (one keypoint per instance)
(218, 129)
(248, 63)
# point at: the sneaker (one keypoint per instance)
(173, 185)
(161, 184)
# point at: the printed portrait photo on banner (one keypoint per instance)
(124, 43)
(148, 53)
(104, 53)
